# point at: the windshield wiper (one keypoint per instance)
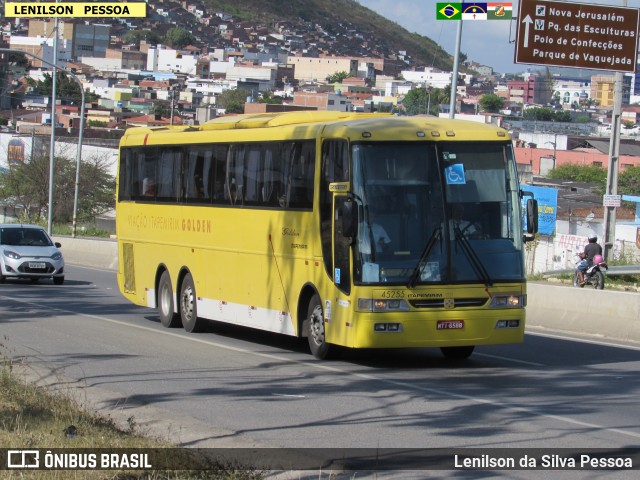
(423, 258)
(472, 256)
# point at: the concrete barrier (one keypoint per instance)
(607, 313)
(100, 253)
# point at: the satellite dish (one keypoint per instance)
(590, 217)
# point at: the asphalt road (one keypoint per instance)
(232, 386)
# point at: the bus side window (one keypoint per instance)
(168, 178)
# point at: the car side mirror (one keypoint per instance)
(58, 244)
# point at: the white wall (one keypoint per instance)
(110, 155)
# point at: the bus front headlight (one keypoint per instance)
(508, 301)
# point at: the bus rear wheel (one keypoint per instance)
(457, 353)
(168, 318)
(315, 329)
(189, 307)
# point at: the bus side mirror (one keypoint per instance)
(532, 219)
(349, 214)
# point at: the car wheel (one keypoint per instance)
(189, 306)
(58, 280)
(168, 318)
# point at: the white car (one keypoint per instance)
(27, 251)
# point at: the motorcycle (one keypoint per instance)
(594, 275)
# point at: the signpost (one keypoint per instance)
(577, 35)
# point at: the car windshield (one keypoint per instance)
(24, 236)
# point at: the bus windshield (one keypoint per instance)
(436, 213)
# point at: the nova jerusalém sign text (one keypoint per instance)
(577, 35)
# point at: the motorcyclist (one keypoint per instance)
(586, 258)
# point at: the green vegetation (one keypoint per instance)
(579, 173)
(338, 77)
(178, 38)
(26, 186)
(421, 100)
(628, 179)
(66, 88)
(491, 103)
(546, 114)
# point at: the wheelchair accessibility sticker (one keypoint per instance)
(455, 174)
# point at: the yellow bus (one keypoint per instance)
(350, 229)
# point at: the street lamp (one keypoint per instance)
(80, 134)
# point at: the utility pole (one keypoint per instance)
(612, 170)
(52, 148)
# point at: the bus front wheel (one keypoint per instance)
(315, 329)
(457, 353)
(168, 318)
(189, 307)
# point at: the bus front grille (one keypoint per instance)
(449, 303)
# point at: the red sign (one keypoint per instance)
(577, 35)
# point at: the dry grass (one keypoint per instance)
(33, 417)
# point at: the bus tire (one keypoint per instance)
(315, 329)
(168, 318)
(189, 306)
(457, 353)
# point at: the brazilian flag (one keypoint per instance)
(449, 11)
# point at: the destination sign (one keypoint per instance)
(577, 35)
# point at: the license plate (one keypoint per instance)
(450, 325)
(37, 265)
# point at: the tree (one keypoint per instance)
(66, 88)
(581, 173)
(629, 181)
(233, 100)
(491, 103)
(161, 109)
(419, 100)
(178, 37)
(267, 97)
(27, 185)
(135, 36)
(337, 77)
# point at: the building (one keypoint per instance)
(534, 91)
(87, 39)
(322, 101)
(312, 69)
(567, 91)
(603, 88)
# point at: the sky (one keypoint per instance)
(489, 43)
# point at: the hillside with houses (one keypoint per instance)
(188, 62)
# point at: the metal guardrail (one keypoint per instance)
(611, 271)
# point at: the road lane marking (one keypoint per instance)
(498, 404)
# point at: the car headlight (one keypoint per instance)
(13, 255)
(56, 256)
(382, 305)
(508, 301)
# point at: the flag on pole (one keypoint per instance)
(474, 11)
(448, 11)
(499, 11)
